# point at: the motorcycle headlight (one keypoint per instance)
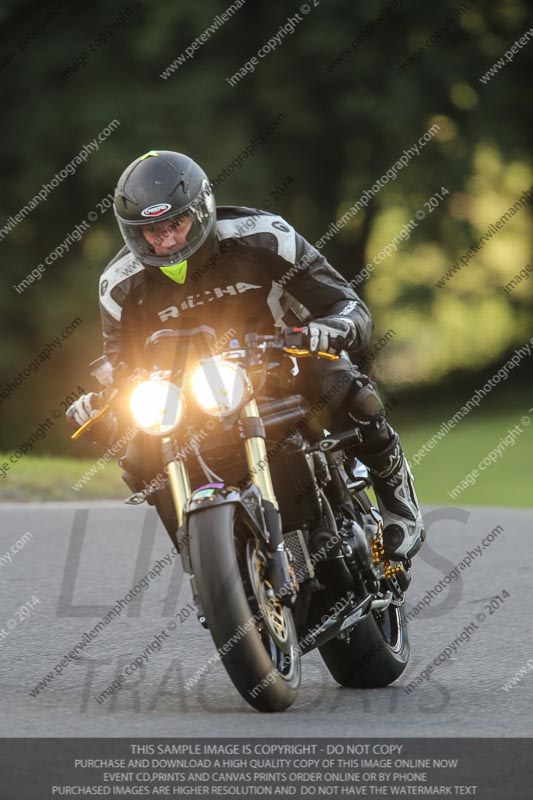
(218, 387)
(157, 406)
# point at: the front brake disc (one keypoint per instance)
(271, 610)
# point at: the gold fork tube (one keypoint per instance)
(180, 486)
(256, 454)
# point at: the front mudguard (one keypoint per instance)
(261, 517)
(248, 500)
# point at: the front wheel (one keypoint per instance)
(375, 654)
(254, 634)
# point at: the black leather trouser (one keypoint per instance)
(347, 399)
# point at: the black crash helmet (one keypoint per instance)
(163, 185)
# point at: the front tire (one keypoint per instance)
(220, 550)
(376, 653)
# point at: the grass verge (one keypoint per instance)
(507, 482)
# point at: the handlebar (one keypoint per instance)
(299, 353)
(296, 348)
(110, 393)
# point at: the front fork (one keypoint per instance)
(178, 478)
(252, 429)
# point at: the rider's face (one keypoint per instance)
(169, 235)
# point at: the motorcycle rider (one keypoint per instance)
(248, 270)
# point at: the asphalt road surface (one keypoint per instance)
(77, 561)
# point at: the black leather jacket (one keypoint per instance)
(261, 273)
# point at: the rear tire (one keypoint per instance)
(376, 653)
(218, 550)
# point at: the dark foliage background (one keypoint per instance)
(344, 126)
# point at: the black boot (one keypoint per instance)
(403, 527)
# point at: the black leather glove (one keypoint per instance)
(327, 335)
(83, 409)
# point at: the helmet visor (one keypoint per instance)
(173, 239)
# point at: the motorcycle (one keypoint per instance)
(271, 517)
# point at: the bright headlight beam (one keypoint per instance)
(218, 387)
(157, 406)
